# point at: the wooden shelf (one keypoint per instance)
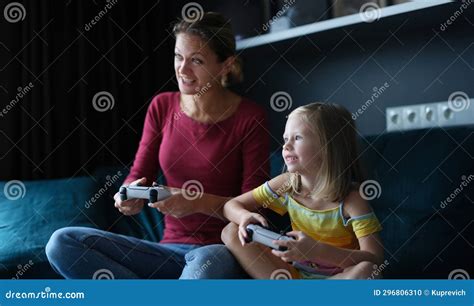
(335, 23)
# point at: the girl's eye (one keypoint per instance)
(197, 61)
(177, 56)
(285, 139)
(298, 137)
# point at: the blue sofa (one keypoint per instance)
(425, 204)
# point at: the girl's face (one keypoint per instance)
(196, 65)
(301, 146)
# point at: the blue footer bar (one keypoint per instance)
(236, 292)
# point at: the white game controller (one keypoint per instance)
(264, 236)
(152, 194)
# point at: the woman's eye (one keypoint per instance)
(197, 61)
(298, 137)
(177, 56)
(285, 139)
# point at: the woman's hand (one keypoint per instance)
(302, 248)
(133, 206)
(178, 205)
(246, 219)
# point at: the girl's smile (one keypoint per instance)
(300, 147)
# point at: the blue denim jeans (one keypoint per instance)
(81, 252)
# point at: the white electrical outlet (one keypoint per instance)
(411, 117)
(446, 116)
(394, 119)
(428, 115)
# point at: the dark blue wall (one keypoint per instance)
(419, 62)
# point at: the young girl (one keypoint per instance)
(335, 230)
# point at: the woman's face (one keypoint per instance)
(196, 66)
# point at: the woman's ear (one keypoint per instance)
(228, 63)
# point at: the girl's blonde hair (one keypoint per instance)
(339, 166)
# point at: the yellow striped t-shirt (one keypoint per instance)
(327, 226)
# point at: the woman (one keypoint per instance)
(205, 135)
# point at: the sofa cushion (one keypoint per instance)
(31, 211)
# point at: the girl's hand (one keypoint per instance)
(302, 248)
(177, 205)
(246, 219)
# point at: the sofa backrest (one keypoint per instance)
(425, 199)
